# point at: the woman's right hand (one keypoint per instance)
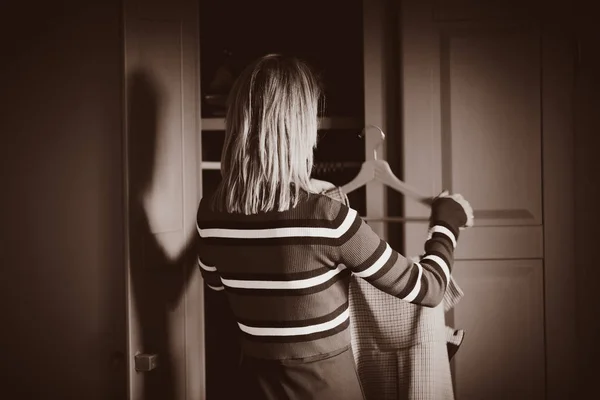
(466, 206)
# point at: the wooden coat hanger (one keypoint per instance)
(379, 170)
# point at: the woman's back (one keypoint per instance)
(288, 293)
(283, 255)
(286, 273)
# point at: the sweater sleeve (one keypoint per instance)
(210, 276)
(208, 269)
(422, 283)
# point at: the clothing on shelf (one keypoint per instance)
(328, 167)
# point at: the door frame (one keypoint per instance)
(185, 13)
(558, 166)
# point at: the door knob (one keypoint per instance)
(146, 362)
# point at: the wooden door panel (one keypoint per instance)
(473, 123)
(502, 356)
(471, 95)
(491, 123)
(472, 114)
(161, 76)
(491, 243)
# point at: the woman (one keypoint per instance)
(283, 254)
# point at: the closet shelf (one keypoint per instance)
(210, 165)
(218, 124)
(320, 167)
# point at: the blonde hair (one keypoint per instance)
(270, 136)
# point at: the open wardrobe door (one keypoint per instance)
(486, 92)
(164, 289)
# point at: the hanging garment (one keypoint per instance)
(402, 351)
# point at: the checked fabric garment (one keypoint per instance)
(402, 351)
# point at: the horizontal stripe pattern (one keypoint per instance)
(444, 231)
(297, 347)
(290, 342)
(275, 273)
(439, 262)
(229, 221)
(296, 331)
(286, 274)
(210, 276)
(206, 267)
(216, 288)
(291, 305)
(416, 288)
(386, 270)
(283, 284)
(286, 232)
(341, 277)
(296, 328)
(376, 266)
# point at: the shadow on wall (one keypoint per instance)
(159, 280)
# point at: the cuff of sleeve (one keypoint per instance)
(447, 210)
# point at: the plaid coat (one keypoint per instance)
(402, 351)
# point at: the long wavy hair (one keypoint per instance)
(270, 135)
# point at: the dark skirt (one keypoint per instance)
(329, 378)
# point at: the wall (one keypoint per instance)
(587, 192)
(62, 280)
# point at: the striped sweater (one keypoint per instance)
(286, 274)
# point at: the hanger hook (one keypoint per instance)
(382, 138)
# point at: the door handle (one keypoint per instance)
(146, 362)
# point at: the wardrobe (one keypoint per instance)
(472, 98)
